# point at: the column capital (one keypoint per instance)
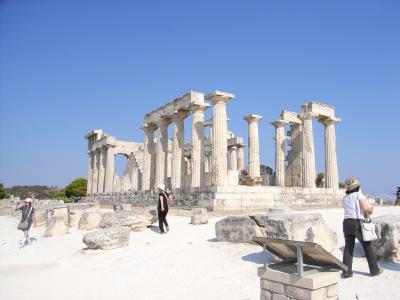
(179, 115)
(279, 123)
(306, 115)
(329, 120)
(199, 107)
(148, 127)
(163, 121)
(233, 147)
(252, 118)
(218, 96)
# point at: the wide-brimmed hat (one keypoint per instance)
(29, 200)
(161, 186)
(352, 183)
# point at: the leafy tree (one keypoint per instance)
(320, 180)
(33, 191)
(60, 194)
(342, 185)
(76, 188)
(3, 192)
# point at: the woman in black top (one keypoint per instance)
(162, 207)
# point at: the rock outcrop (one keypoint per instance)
(237, 229)
(107, 238)
(200, 216)
(387, 246)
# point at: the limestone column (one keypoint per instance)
(279, 152)
(233, 164)
(331, 167)
(254, 145)
(309, 172)
(134, 177)
(90, 173)
(162, 152)
(96, 171)
(110, 169)
(147, 157)
(240, 157)
(197, 155)
(178, 143)
(219, 137)
(100, 184)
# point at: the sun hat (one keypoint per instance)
(161, 186)
(29, 200)
(352, 183)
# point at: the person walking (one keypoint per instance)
(162, 208)
(27, 218)
(355, 206)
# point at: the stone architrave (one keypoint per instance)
(90, 173)
(240, 157)
(233, 165)
(219, 137)
(279, 152)
(162, 152)
(178, 143)
(309, 171)
(197, 155)
(331, 167)
(110, 170)
(95, 171)
(254, 145)
(100, 184)
(147, 157)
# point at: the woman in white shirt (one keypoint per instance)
(355, 207)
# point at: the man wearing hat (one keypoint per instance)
(355, 206)
(28, 215)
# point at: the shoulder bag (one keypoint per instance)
(367, 227)
(23, 225)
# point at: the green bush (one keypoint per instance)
(3, 192)
(76, 188)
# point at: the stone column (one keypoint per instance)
(279, 152)
(197, 155)
(134, 177)
(100, 184)
(95, 171)
(90, 173)
(219, 137)
(110, 170)
(162, 152)
(147, 157)
(254, 145)
(309, 172)
(233, 163)
(331, 167)
(240, 157)
(178, 143)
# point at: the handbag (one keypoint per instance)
(368, 230)
(23, 225)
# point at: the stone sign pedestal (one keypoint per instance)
(280, 281)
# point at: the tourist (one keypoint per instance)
(397, 196)
(162, 207)
(355, 208)
(28, 216)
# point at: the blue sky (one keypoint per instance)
(67, 67)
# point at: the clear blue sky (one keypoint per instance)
(67, 67)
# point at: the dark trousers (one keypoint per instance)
(162, 219)
(351, 231)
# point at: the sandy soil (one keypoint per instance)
(186, 263)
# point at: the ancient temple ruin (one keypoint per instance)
(213, 166)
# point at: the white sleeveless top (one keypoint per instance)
(351, 204)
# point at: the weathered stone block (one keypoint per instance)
(200, 216)
(90, 220)
(332, 290)
(109, 219)
(108, 238)
(59, 211)
(273, 286)
(265, 295)
(305, 294)
(135, 221)
(299, 227)
(387, 246)
(279, 297)
(56, 227)
(237, 229)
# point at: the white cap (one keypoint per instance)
(28, 200)
(161, 186)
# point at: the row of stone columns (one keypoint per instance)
(308, 151)
(101, 170)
